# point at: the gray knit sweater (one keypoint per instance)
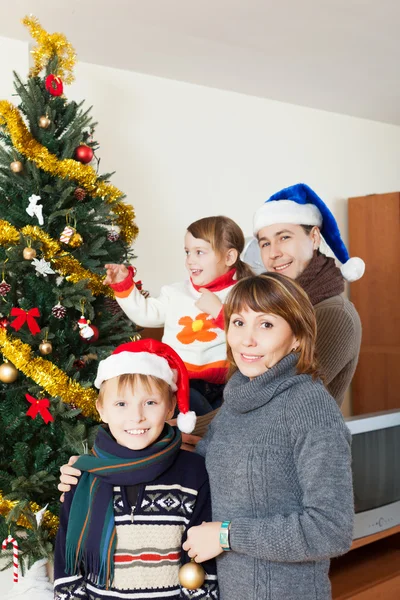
(279, 461)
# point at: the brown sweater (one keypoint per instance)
(338, 343)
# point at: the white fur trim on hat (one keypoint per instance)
(286, 211)
(186, 421)
(143, 363)
(353, 269)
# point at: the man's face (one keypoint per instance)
(287, 248)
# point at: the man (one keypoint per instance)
(289, 227)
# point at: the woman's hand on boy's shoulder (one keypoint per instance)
(69, 476)
(115, 273)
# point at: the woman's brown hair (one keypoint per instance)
(272, 293)
(223, 234)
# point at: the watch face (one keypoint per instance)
(224, 538)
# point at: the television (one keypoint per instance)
(376, 471)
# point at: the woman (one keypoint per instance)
(277, 454)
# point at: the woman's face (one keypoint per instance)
(259, 341)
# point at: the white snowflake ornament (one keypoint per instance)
(42, 267)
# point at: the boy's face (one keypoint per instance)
(136, 417)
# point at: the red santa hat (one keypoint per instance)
(150, 357)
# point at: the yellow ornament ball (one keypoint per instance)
(44, 122)
(45, 348)
(16, 166)
(76, 240)
(191, 575)
(8, 373)
(29, 253)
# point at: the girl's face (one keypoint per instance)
(259, 341)
(135, 416)
(287, 249)
(203, 263)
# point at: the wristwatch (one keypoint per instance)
(224, 535)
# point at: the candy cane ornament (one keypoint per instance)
(11, 540)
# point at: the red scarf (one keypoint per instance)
(218, 284)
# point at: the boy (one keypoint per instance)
(122, 528)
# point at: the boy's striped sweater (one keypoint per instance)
(149, 539)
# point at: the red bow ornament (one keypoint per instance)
(39, 406)
(25, 316)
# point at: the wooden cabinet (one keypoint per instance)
(374, 235)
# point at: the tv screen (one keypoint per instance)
(376, 468)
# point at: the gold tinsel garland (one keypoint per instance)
(49, 521)
(85, 175)
(50, 44)
(63, 262)
(50, 377)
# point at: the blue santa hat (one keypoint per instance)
(300, 205)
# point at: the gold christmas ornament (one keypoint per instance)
(16, 166)
(8, 373)
(76, 240)
(191, 575)
(29, 253)
(45, 347)
(44, 122)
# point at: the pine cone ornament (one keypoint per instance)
(80, 194)
(4, 288)
(113, 235)
(59, 311)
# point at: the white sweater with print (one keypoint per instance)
(195, 336)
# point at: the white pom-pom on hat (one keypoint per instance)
(353, 269)
(186, 421)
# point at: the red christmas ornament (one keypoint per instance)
(79, 364)
(84, 154)
(4, 288)
(4, 323)
(54, 85)
(41, 407)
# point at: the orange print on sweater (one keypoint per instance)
(197, 329)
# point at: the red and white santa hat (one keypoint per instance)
(150, 357)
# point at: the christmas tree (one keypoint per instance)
(60, 222)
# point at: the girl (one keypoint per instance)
(192, 311)
(277, 454)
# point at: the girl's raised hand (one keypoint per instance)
(209, 303)
(115, 273)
